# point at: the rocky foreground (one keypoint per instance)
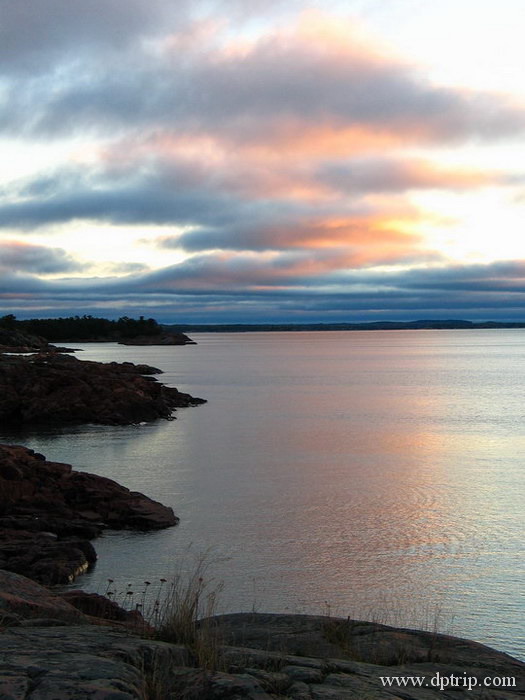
(52, 650)
(50, 512)
(50, 388)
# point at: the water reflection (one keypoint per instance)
(375, 471)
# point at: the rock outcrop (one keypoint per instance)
(23, 599)
(323, 657)
(14, 340)
(49, 512)
(51, 650)
(48, 388)
(160, 339)
(98, 606)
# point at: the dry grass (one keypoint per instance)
(183, 616)
(178, 610)
(359, 642)
(162, 683)
(157, 681)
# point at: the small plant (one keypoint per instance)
(157, 681)
(366, 642)
(178, 610)
(184, 615)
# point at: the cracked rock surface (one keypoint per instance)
(67, 655)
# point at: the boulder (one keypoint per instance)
(24, 599)
(96, 605)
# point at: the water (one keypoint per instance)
(373, 474)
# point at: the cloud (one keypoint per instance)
(370, 237)
(146, 201)
(241, 289)
(288, 162)
(316, 78)
(24, 257)
(218, 208)
(318, 271)
(389, 174)
(126, 268)
(37, 37)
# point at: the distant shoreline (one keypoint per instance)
(367, 326)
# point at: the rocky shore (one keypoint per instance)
(51, 388)
(50, 512)
(52, 650)
(15, 341)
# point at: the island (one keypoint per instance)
(40, 332)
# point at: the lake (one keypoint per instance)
(372, 474)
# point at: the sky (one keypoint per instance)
(218, 161)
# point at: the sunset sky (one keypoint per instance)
(249, 161)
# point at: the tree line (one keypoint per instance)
(82, 327)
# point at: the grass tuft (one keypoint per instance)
(178, 610)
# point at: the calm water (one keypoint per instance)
(379, 473)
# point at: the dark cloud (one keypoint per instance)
(148, 190)
(506, 277)
(143, 203)
(244, 290)
(37, 259)
(319, 270)
(36, 37)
